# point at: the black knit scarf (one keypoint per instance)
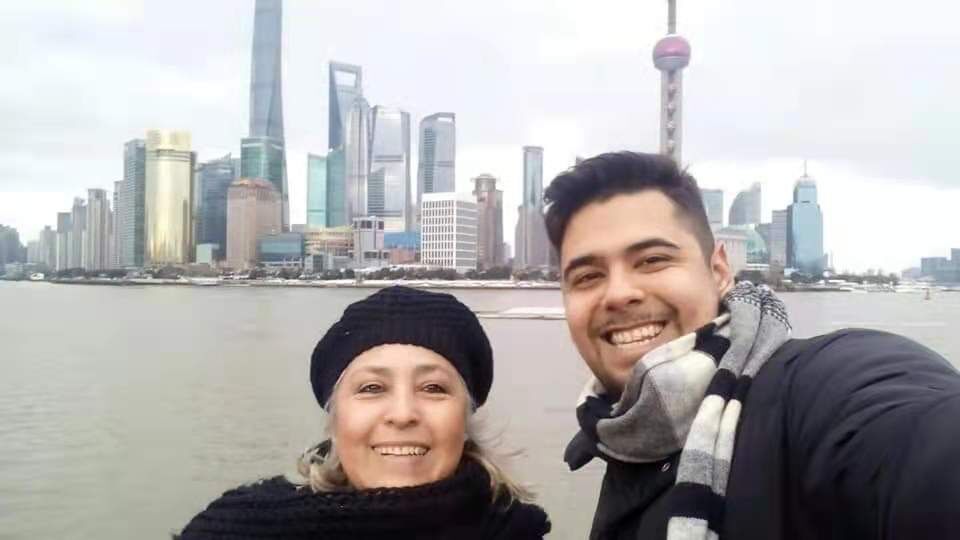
(456, 507)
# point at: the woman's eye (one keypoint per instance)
(434, 388)
(371, 388)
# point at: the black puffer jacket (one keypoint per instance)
(850, 435)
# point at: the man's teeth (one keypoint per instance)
(401, 450)
(635, 335)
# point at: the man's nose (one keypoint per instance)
(623, 289)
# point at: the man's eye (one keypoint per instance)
(585, 279)
(371, 388)
(648, 261)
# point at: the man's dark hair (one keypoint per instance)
(601, 177)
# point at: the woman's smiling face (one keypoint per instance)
(399, 417)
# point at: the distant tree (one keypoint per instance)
(257, 273)
(471, 274)
(348, 274)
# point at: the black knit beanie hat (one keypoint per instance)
(406, 316)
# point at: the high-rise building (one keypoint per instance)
(805, 228)
(253, 211)
(336, 213)
(388, 183)
(746, 208)
(47, 247)
(533, 176)
(214, 177)
(64, 235)
(11, 251)
(33, 252)
(316, 191)
(263, 153)
(778, 238)
(168, 231)
(532, 245)
(348, 131)
(489, 221)
(449, 230)
(78, 235)
(114, 229)
(96, 244)
(670, 55)
(436, 169)
(129, 212)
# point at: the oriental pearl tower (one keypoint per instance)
(670, 55)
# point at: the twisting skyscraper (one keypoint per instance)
(670, 55)
(263, 153)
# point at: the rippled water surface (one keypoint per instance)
(124, 410)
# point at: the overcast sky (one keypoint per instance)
(865, 90)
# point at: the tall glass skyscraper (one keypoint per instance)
(533, 176)
(263, 153)
(438, 152)
(532, 247)
(336, 213)
(169, 198)
(215, 177)
(388, 184)
(348, 131)
(129, 211)
(316, 191)
(805, 228)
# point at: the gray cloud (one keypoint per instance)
(867, 84)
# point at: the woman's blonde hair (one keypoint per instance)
(324, 472)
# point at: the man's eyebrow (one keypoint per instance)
(650, 243)
(577, 262)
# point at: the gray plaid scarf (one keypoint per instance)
(685, 396)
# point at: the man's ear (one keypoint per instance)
(720, 268)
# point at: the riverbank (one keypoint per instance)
(332, 283)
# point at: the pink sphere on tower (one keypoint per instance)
(671, 53)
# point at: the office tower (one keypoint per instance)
(263, 152)
(349, 136)
(449, 230)
(168, 230)
(489, 221)
(253, 211)
(388, 182)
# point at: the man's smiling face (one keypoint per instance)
(635, 277)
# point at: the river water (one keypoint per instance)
(124, 410)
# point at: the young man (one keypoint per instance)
(711, 420)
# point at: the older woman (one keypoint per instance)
(400, 375)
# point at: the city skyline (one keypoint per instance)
(614, 106)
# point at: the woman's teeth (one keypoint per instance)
(401, 450)
(638, 334)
